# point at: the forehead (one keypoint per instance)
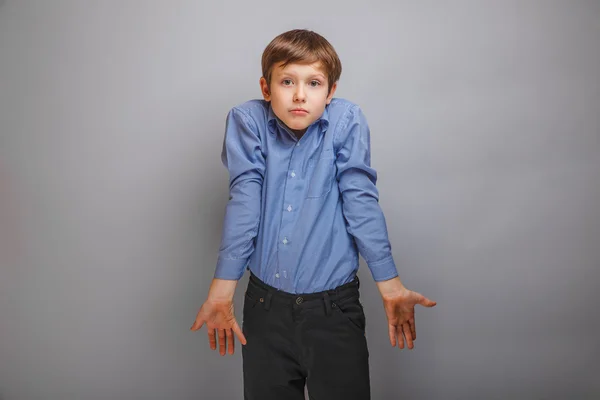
(315, 68)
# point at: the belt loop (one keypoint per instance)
(357, 282)
(268, 300)
(327, 303)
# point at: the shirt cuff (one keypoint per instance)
(230, 269)
(383, 270)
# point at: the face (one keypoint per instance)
(298, 94)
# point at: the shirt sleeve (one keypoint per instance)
(243, 158)
(364, 218)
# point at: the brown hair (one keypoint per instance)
(304, 47)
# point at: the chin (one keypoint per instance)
(296, 126)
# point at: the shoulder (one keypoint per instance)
(253, 112)
(339, 108)
(343, 115)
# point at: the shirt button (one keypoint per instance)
(277, 275)
(298, 144)
(289, 208)
(293, 174)
(285, 241)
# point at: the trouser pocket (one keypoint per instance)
(351, 311)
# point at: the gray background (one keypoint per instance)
(485, 121)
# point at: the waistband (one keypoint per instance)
(269, 293)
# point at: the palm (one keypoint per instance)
(219, 317)
(400, 311)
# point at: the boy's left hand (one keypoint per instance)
(399, 305)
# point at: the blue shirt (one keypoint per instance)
(301, 210)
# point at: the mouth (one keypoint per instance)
(299, 111)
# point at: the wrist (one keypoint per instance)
(390, 287)
(222, 290)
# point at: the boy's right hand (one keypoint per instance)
(217, 313)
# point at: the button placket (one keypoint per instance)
(287, 219)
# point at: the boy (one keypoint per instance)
(302, 204)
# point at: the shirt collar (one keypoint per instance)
(272, 119)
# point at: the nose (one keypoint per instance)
(299, 95)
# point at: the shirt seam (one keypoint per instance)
(385, 278)
(250, 124)
(343, 122)
(382, 261)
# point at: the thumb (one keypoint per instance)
(197, 324)
(239, 333)
(426, 302)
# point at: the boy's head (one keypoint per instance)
(300, 70)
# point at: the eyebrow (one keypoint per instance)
(317, 75)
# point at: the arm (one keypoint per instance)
(365, 221)
(242, 156)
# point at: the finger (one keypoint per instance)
(198, 323)
(413, 328)
(238, 331)
(392, 333)
(212, 340)
(400, 337)
(426, 302)
(229, 335)
(408, 335)
(221, 341)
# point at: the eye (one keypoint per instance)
(315, 83)
(287, 82)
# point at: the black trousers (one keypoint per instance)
(317, 339)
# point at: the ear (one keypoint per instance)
(331, 93)
(264, 89)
